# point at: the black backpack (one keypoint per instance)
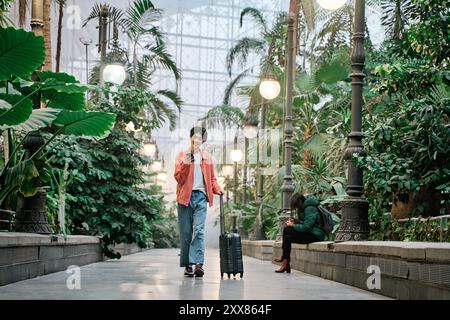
(326, 219)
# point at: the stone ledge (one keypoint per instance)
(321, 246)
(437, 253)
(128, 248)
(429, 251)
(278, 244)
(260, 249)
(299, 246)
(17, 239)
(409, 270)
(259, 243)
(25, 255)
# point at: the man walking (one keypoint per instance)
(196, 184)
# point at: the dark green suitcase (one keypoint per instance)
(230, 248)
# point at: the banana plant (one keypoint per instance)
(21, 85)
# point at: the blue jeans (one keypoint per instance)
(191, 223)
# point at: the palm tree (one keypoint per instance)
(61, 4)
(269, 45)
(23, 4)
(137, 23)
(224, 117)
(47, 33)
(396, 15)
(337, 30)
(4, 8)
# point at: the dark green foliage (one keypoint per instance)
(21, 53)
(164, 229)
(106, 196)
(407, 119)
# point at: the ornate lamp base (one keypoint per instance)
(354, 225)
(31, 215)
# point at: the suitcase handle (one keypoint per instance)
(222, 216)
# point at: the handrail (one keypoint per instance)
(446, 216)
(442, 218)
(7, 211)
(9, 221)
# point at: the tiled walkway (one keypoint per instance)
(154, 274)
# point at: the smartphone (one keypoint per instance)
(192, 156)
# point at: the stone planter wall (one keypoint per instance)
(26, 255)
(409, 270)
(125, 248)
(261, 249)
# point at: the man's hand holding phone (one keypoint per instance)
(188, 158)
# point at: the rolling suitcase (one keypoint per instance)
(230, 248)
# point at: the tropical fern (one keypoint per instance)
(396, 15)
(257, 15)
(231, 86)
(223, 116)
(240, 51)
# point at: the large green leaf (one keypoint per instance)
(21, 53)
(62, 100)
(16, 110)
(24, 170)
(40, 118)
(29, 187)
(24, 176)
(4, 105)
(305, 82)
(331, 73)
(59, 76)
(62, 91)
(317, 143)
(82, 123)
(300, 100)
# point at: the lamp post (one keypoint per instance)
(250, 131)
(103, 28)
(226, 172)
(355, 221)
(114, 73)
(37, 17)
(31, 213)
(288, 186)
(258, 231)
(269, 88)
(331, 4)
(150, 149)
(244, 173)
(236, 156)
(244, 186)
(86, 43)
(157, 165)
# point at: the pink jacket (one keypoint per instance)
(184, 174)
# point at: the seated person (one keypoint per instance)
(306, 230)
